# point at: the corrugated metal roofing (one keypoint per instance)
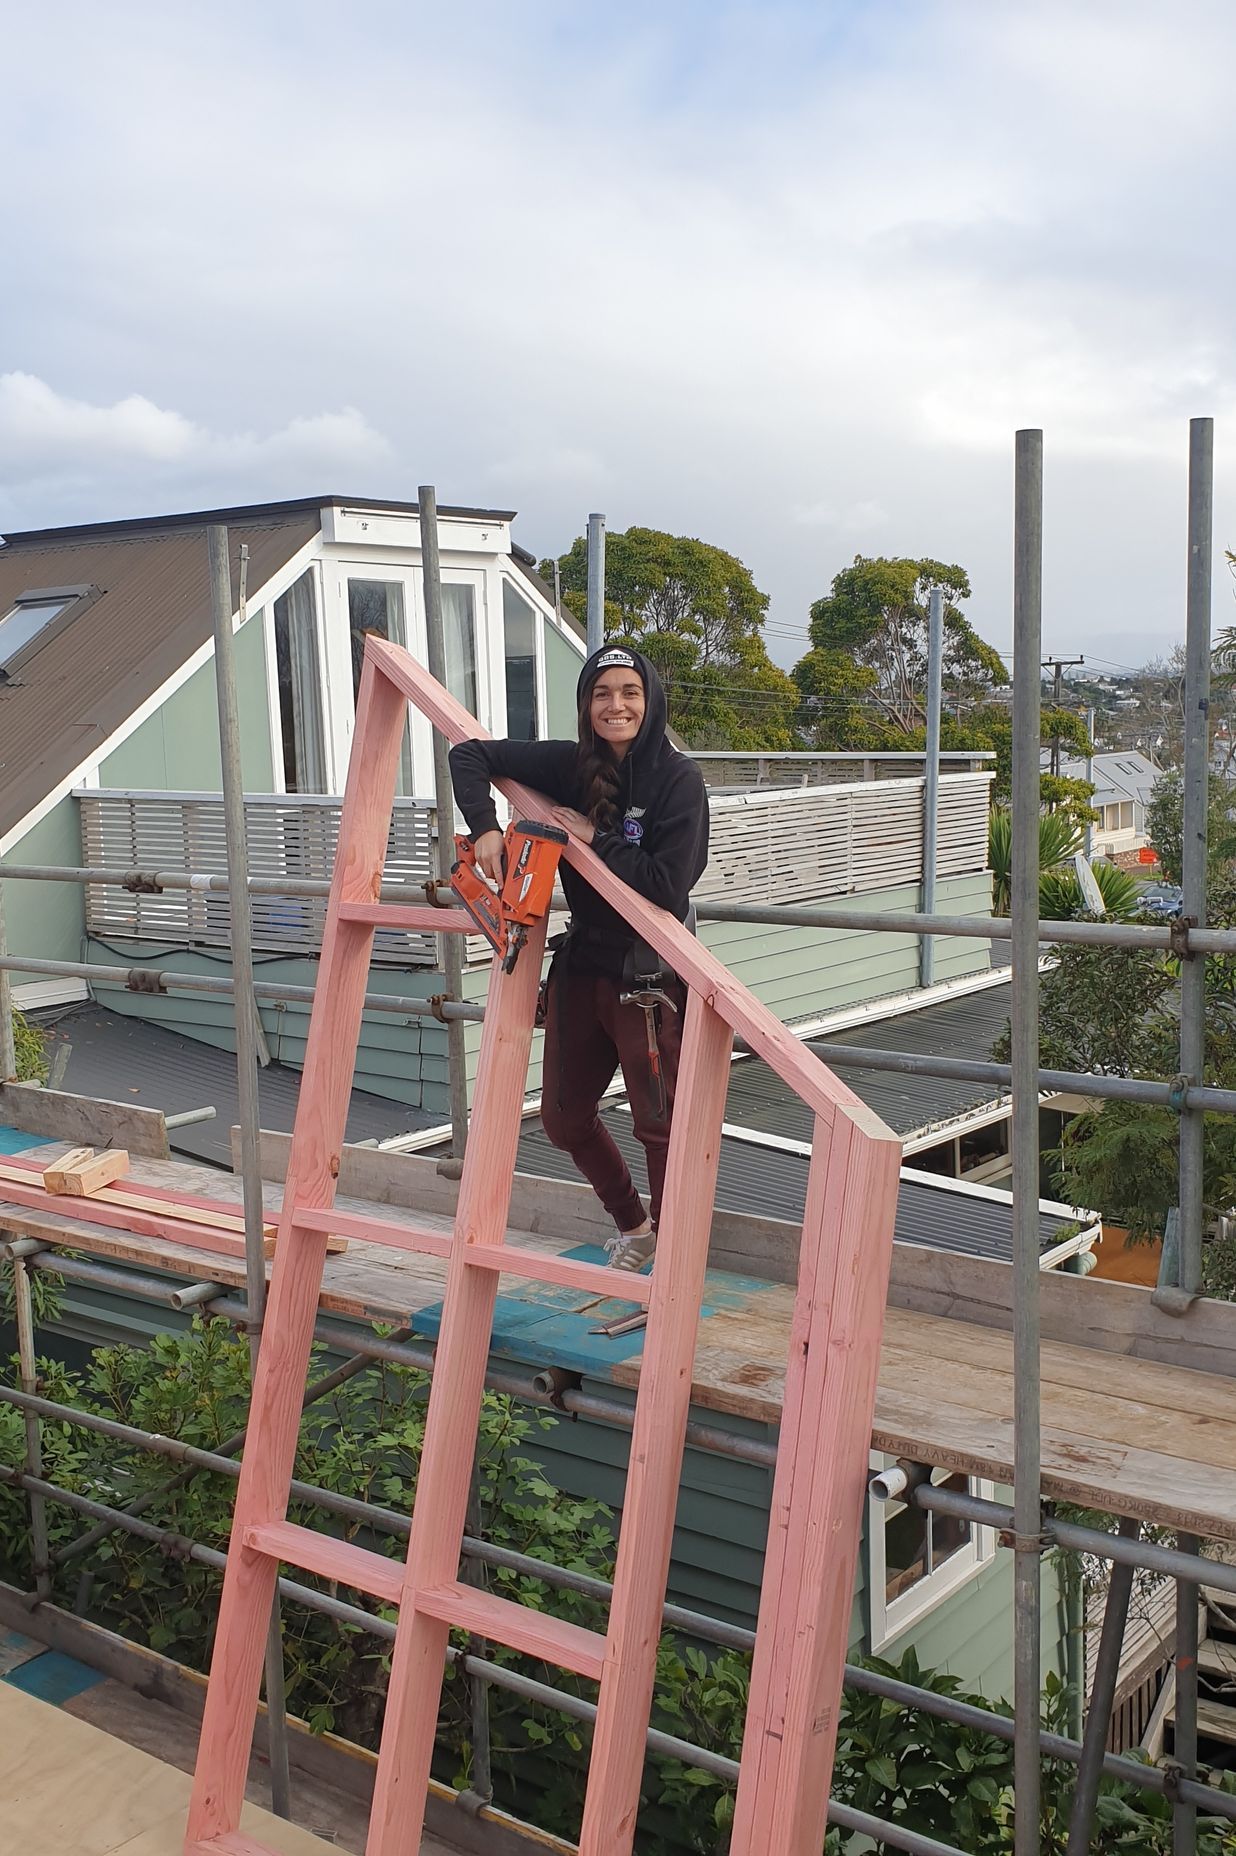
(127, 1060)
(153, 613)
(965, 1027)
(770, 1184)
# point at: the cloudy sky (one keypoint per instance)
(785, 276)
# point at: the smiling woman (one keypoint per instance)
(623, 788)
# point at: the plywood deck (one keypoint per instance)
(1131, 1435)
(69, 1789)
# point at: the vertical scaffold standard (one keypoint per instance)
(821, 1473)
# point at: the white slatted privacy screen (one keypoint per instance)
(806, 843)
(289, 835)
(778, 844)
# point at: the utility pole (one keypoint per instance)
(1059, 665)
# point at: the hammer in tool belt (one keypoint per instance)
(647, 991)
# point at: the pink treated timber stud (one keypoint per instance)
(834, 1345)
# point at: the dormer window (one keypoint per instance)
(35, 616)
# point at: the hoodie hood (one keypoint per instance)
(651, 736)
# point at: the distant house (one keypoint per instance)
(1123, 782)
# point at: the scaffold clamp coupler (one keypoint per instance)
(142, 883)
(1177, 1090)
(1178, 936)
(436, 1001)
(145, 979)
(1023, 1543)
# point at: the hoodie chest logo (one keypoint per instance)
(632, 824)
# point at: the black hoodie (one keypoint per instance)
(660, 845)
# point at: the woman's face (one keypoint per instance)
(616, 708)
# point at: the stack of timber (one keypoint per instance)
(148, 1210)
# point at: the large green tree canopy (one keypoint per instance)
(696, 612)
(866, 673)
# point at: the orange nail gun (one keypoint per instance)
(530, 856)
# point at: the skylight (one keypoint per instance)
(22, 627)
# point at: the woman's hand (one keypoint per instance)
(569, 820)
(488, 849)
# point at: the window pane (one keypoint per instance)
(300, 689)
(946, 1534)
(377, 606)
(25, 622)
(905, 1548)
(519, 623)
(373, 606)
(459, 627)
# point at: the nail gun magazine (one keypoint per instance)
(530, 855)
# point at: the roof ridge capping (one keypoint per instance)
(252, 513)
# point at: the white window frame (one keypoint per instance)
(526, 593)
(279, 778)
(886, 1621)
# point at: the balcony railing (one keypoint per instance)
(805, 843)
(773, 844)
(289, 835)
(732, 768)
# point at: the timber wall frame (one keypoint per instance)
(819, 1486)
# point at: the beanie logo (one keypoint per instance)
(611, 660)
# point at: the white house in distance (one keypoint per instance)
(1124, 779)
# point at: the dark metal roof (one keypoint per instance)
(245, 512)
(770, 1184)
(127, 1060)
(965, 1027)
(152, 614)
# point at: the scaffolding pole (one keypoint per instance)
(1027, 1514)
(8, 1035)
(1193, 1036)
(450, 946)
(248, 1044)
(931, 779)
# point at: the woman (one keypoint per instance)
(626, 791)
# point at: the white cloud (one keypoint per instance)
(59, 447)
(784, 275)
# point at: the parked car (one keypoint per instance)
(1162, 899)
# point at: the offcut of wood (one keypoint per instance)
(180, 1217)
(82, 1171)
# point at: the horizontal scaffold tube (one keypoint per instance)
(1180, 937)
(165, 979)
(838, 1056)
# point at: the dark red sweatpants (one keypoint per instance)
(588, 1034)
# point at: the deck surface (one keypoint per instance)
(70, 1789)
(1128, 1435)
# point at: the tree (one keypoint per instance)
(1112, 1011)
(876, 615)
(1165, 823)
(992, 727)
(697, 614)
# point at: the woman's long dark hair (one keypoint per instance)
(598, 772)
